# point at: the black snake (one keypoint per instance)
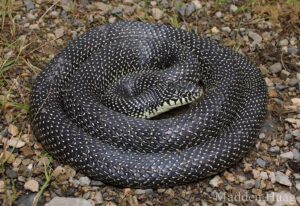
(86, 107)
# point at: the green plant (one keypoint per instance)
(48, 175)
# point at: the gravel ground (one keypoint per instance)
(268, 32)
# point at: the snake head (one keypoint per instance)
(173, 95)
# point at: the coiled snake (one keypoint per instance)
(93, 106)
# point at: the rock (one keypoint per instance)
(11, 174)
(264, 175)
(274, 150)
(59, 32)
(10, 157)
(285, 198)
(226, 29)
(117, 10)
(128, 2)
(32, 185)
(190, 8)
(248, 16)
(157, 13)
(215, 30)
(296, 101)
(272, 177)
(139, 191)
(284, 74)
(298, 186)
(181, 9)
(269, 82)
(75, 182)
(275, 68)
(197, 4)
(161, 190)
(287, 155)
(256, 173)
(58, 171)
(296, 154)
(293, 50)
(98, 198)
(229, 176)
(283, 179)
(298, 76)
(249, 184)
(2, 186)
(216, 181)
(129, 10)
(27, 200)
(260, 162)
(219, 14)
(233, 8)
(170, 192)
(262, 136)
(84, 181)
(284, 42)
(104, 8)
(111, 204)
(257, 39)
(13, 142)
(13, 130)
(298, 199)
(30, 16)
(29, 5)
(112, 19)
(68, 202)
(96, 183)
(293, 82)
(296, 133)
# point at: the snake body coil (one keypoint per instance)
(87, 106)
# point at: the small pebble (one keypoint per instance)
(98, 198)
(117, 10)
(264, 175)
(287, 155)
(226, 29)
(215, 30)
(11, 173)
(260, 162)
(298, 186)
(255, 37)
(157, 13)
(96, 183)
(13, 130)
(68, 202)
(293, 82)
(233, 8)
(29, 5)
(219, 14)
(197, 4)
(190, 8)
(249, 184)
(292, 50)
(275, 68)
(283, 179)
(296, 154)
(84, 181)
(31, 185)
(216, 181)
(284, 42)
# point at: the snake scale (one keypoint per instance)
(94, 106)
